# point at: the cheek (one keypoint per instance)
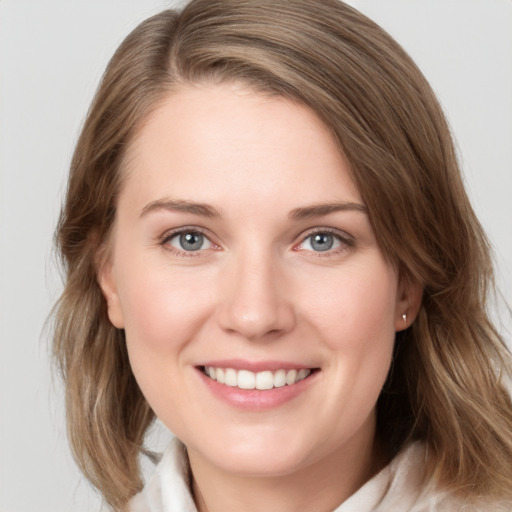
(163, 312)
(356, 309)
(356, 319)
(162, 308)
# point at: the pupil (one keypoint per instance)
(191, 241)
(322, 242)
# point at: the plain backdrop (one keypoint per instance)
(52, 54)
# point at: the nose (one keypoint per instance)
(256, 301)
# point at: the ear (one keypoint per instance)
(108, 285)
(408, 302)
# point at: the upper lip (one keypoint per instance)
(255, 366)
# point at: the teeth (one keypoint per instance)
(264, 380)
(231, 378)
(244, 379)
(291, 377)
(279, 379)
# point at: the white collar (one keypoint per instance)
(396, 488)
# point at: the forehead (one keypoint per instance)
(213, 142)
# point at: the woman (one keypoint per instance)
(269, 247)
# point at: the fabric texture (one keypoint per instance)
(394, 489)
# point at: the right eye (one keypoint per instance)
(188, 241)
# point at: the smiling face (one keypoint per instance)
(242, 250)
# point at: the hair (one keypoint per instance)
(446, 385)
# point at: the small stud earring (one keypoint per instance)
(404, 318)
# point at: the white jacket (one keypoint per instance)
(394, 489)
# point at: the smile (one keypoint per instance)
(265, 380)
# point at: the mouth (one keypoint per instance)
(263, 380)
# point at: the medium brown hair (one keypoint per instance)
(445, 385)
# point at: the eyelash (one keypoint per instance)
(169, 235)
(346, 241)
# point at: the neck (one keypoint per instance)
(321, 486)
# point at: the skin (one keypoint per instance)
(256, 290)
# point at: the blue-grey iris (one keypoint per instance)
(191, 241)
(322, 241)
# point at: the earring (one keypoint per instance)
(404, 318)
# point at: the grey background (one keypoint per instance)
(52, 54)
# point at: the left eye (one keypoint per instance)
(320, 242)
(189, 241)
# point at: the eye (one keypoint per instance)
(324, 241)
(188, 241)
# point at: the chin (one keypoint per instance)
(255, 454)
(261, 464)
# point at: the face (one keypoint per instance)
(242, 249)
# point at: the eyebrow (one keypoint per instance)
(320, 210)
(204, 210)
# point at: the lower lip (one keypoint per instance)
(255, 399)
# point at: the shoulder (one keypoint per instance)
(401, 487)
(408, 485)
